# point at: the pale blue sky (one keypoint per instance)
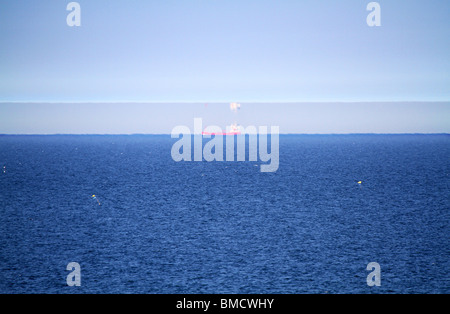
(222, 51)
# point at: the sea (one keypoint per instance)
(336, 204)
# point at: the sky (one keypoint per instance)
(220, 51)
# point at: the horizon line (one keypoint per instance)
(169, 134)
(224, 101)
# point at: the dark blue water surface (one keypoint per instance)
(225, 227)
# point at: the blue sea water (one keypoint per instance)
(225, 227)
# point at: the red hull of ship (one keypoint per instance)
(221, 133)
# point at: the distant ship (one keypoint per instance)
(234, 130)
